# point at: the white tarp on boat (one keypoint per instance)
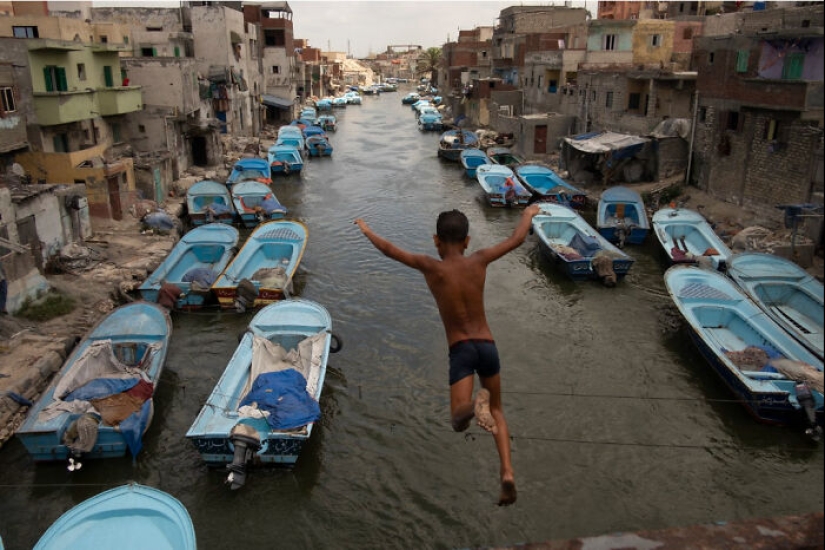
(271, 357)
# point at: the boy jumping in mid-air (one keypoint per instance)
(457, 282)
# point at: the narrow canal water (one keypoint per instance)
(617, 422)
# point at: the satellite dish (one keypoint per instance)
(18, 170)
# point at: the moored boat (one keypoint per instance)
(452, 142)
(319, 146)
(100, 403)
(255, 203)
(566, 239)
(191, 267)
(328, 122)
(262, 271)
(687, 238)
(500, 186)
(208, 201)
(263, 408)
(129, 517)
(790, 296)
(547, 185)
(505, 156)
(776, 378)
(249, 169)
(621, 216)
(471, 159)
(285, 159)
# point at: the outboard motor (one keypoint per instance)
(808, 403)
(247, 292)
(247, 442)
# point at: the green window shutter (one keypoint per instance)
(47, 74)
(792, 69)
(177, 51)
(742, 61)
(62, 84)
(154, 52)
(107, 76)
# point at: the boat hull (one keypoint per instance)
(568, 241)
(501, 187)
(130, 329)
(723, 322)
(208, 247)
(687, 238)
(276, 244)
(621, 216)
(132, 516)
(287, 324)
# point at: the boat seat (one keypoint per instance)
(620, 210)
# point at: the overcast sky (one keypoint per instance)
(364, 27)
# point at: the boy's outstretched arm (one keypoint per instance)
(515, 239)
(389, 249)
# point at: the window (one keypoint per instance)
(104, 39)
(7, 104)
(687, 33)
(703, 114)
(107, 76)
(732, 121)
(608, 101)
(55, 79)
(25, 32)
(656, 40)
(177, 51)
(742, 61)
(81, 71)
(634, 100)
(125, 39)
(141, 128)
(154, 29)
(593, 95)
(61, 143)
(792, 69)
(276, 69)
(710, 58)
(609, 42)
(116, 138)
(148, 52)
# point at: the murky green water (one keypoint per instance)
(617, 422)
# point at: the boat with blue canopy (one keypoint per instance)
(100, 403)
(471, 159)
(209, 201)
(262, 271)
(264, 407)
(191, 267)
(776, 378)
(249, 169)
(129, 517)
(790, 296)
(567, 240)
(621, 216)
(547, 185)
(452, 142)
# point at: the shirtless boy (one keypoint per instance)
(457, 282)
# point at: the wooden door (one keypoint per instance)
(540, 140)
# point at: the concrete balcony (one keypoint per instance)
(119, 100)
(54, 108)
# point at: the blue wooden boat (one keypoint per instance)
(278, 367)
(262, 271)
(319, 146)
(501, 187)
(123, 353)
(790, 296)
(208, 201)
(255, 203)
(285, 159)
(324, 104)
(249, 169)
(308, 113)
(129, 517)
(339, 102)
(566, 239)
(505, 156)
(776, 378)
(290, 139)
(313, 130)
(192, 266)
(548, 186)
(471, 159)
(621, 216)
(410, 98)
(452, 142)
(687, 238)
(328, 123)
(430, 120)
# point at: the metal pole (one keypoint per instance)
(692, 134)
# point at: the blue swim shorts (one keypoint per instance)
(468, 357)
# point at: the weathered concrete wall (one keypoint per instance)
(557, 126)
(645, 52)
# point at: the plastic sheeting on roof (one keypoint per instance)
(275, 101)
(672, 127)
(607, 142)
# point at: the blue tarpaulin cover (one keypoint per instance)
(284, 395)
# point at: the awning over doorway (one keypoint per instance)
(620, 145)
(277, 102)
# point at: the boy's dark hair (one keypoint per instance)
(452, 226)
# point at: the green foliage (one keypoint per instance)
(46, 308)
(428, 63)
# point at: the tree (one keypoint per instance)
(428, 63)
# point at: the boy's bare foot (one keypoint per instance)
(508, 492)
(482, 412)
